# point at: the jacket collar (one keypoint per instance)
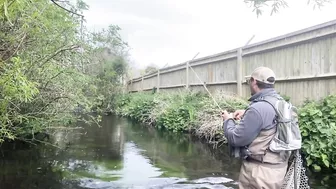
(262, 93)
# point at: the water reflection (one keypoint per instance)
(180, 155)
(30, 169)
(119, 154)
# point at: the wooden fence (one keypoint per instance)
(304, 63)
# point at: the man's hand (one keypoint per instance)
(238, 114)
(226, 115)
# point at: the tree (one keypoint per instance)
(50, 66)
(150, 69)
(277, 4)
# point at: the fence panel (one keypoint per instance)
(304, 63)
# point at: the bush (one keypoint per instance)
(318, 128)
(136, 106)
(180, 112)
(285, 97)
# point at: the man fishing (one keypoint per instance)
(261, 168)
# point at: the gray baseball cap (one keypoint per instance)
(264, 74)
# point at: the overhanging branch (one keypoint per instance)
(66, 9)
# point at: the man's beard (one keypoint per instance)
(252, 91)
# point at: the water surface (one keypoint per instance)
(121, 154)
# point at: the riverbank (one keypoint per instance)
(196, 113)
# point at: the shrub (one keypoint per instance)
(318, 128)
(119, 103)
(285, 97)
(136, 106)
(180, 114)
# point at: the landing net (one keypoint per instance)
(296, 177)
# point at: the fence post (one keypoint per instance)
(142, 83)
(158, 81)
(187, 75)
(239, 71)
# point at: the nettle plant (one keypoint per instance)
(318, 128)
(180, 114)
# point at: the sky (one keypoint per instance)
(169, 32)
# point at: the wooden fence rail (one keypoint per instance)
(304, 63)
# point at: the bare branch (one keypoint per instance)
(58, 52)
(51, 101)
(67, 9)
(17, 48)
(45, 86)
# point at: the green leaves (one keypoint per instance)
(316, 168)
(178, 117)
(138, 107)
(325, 159)
(51, 67)
(318, 129)
(275, 5)
(5, 6)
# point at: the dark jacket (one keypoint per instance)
(258, 116)
(256, 130)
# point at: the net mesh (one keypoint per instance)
(296, 177)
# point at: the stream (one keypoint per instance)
(122, 154)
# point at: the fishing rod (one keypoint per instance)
(203, 83)
(247, 43)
